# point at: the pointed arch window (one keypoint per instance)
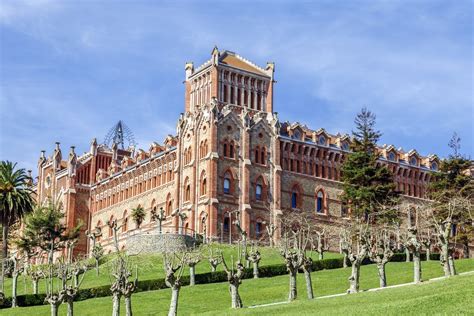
(187, 190)
(125, 222)
(203, 187)
(294, 199)
(258, 192)
(227, 183)
(320, 202)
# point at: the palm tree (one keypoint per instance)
(138, 215)
(16, 198)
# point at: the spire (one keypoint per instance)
(72, 162)
(215, 56)
(93, 149)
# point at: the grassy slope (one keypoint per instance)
(151, 267)
(214, 298)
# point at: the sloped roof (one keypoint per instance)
(229, 58)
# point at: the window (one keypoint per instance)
(320, 202)
(262, 156)
(258, 228)
(322, 140)
(345, 146)
(225, 150)
(413, 161)
(257, 155)
(258, 192)
(434, 166)
(231, 150)
(227, 182)
(391, 156)
(204, 187)
(226, 223)
(294, 199)
(187, 190)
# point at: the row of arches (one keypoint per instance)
(320, 199)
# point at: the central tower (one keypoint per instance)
(230, 79)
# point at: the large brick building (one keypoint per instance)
(231, 153)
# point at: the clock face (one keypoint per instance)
(345, 146)
(297, 134)
(413, 161)
(434, 166)
(391, 156)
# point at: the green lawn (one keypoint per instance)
(151, 267)
(214, 298)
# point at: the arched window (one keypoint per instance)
(187, 189)
(258, 228)
(258, 192)
(111, 231)
(257, 154)
(227, 183)
(320, 202)
(226, 223)
(125, 221)
(203, 188)
(231, 150)
(225, 149)
(263, 153)
(294, 199)
(169, 205)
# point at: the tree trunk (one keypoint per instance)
(382, 275)
(76, 280)
(428, 254)
(97, 266)
(234, 294)
(213, 268)
(174, 301)
(309, 284)
(192, 275)
(128, 305)
(54, 309)
(35, 286)
(465, 252)
(116, 304)
(70, 306)
(354, 278)
(417, 266)
(5, 241)
(407, 255)
(321, 255)
(452, 268)
(293, 290)
(444, 258)
(255, 269)
(344, 261)
(14, 289)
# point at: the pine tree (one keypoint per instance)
(367, 184)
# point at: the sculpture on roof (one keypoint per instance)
(120, 135)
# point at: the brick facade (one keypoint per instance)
(231, 153)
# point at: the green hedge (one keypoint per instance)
(202, 278)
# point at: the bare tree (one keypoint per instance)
(93, 236)
(426, 241)
(97, 254)
(296, 239)
(381, 251)
(254, 257)
(342, 238)
(356, 246)
(192, 259)
(318, 243)
(36, 273)
(65, 272)
(414, 245)
(121, 286)
(17, 267)
(234, 277)
(174, 267)
(160, 218)
(214, 260)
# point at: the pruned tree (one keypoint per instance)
(271, 229)
(234, 277)
(356, 246)
(318, 242)
(191, 260)
(16, 266)
(94, 235)
(297, 234)
(214, 259)
(381, 251)
(414, 245)
(138, 215)
(65, 271)
(121, 285)
(174, 268)
(115, 227)
(254, 257)
(426, 241)
(36, 273)
(342, 238)
(97, 254)
(158, 217)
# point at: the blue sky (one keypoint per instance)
(72, 69)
